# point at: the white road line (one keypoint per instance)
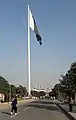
(27, 108)
(14, 115)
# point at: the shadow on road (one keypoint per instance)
(7, 113)
(53, 108)
(43, 105)
(43, 102)
(48, 102)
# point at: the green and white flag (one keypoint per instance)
(33, 26)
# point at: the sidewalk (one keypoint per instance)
(65, 109)
(8, 104)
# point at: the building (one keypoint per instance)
(38, 90)
(2, 97)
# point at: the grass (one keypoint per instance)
(19, 99)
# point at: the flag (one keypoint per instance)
(33, 26)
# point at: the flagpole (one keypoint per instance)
(29, 58)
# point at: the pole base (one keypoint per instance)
(29, 96)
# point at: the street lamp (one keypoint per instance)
(9, 92)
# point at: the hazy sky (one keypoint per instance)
(56, 20)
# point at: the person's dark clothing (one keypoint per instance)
(70, 107)
(70, 104)
(14, 107)
(14, 102)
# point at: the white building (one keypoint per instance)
(2, 97)
(38, 90)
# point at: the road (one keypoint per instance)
(36, 110)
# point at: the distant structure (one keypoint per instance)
(38, 90)
(48, 90)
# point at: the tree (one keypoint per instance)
(13, 90)
(55, 90)
(72, 74)
(52, 93)
(4, 85)
(21, 91)
(6, 88)
(68, 81)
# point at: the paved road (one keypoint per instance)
(37, 110)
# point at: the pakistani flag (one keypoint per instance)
(33, 26)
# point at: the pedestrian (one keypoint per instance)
(14, 106)
(70, 104)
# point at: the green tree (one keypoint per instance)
(68, 81)
(12, 90)
(4, 87)
(21, 91)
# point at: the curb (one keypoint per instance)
(66, 113)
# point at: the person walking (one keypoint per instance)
(70, 104)
(14, 106)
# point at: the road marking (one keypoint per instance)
(14, 115)
(27, 108)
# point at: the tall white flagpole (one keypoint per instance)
(29, 57)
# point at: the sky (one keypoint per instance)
(56, 20)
